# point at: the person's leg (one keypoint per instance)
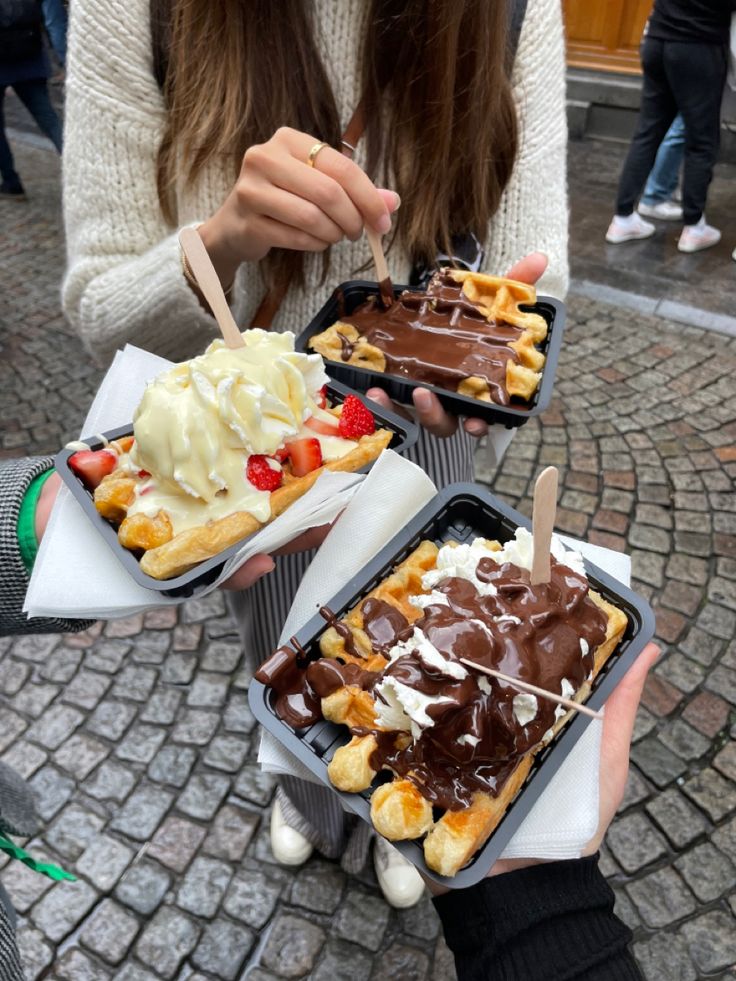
(658, 109)
(697, 74)
(666, 171)
(11, 181)
(34, 94)
(55, 19)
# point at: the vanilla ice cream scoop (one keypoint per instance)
(199, 421)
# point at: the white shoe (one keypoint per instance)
(628, 228)
(664, 210)
(696, 237)
(400, 883)
(289, 846)
(733, 255)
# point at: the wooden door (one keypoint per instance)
(605, 34)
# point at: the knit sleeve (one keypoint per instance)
(553, 920)
(124, 280)
(532, 215)
(15, 478)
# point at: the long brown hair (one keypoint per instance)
(441, 124)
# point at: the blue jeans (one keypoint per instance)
(666, 170)
(34, 95)
(55, 19)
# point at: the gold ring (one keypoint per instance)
(313, 153)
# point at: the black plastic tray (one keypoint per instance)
(405, 434)
(350, 295)
(461, 512)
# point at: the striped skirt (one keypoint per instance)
(261, 612)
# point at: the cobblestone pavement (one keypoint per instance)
(139, 741)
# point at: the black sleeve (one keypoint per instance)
(547, 922)
(15, 479)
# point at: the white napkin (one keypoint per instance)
(565, 817)
(76, 574)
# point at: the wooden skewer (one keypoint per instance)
(525, 686)
(209, 282)
(385, 286)
(543, 521)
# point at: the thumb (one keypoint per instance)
(390, 198)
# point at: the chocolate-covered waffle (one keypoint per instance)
(467, 333)
(458, 743)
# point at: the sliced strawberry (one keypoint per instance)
(281, 454)
(306, 455)
(321, 397)
(143, 473)
(92, 465)
(261, 474)
(355, 420)
(322, 426)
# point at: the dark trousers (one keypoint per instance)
(678, 77)
(34, 94)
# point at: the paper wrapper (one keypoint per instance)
(76, 574)
(565, 817)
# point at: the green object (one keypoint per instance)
(44, 868)
(27, 541)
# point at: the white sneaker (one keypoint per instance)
(627, 228)
(693, 238)
(664, 210)
(400, 883)
(733, 255)
(289, 846)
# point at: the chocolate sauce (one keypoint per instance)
(342, 630)
(530, 632)
(296, 702)
(438, 337)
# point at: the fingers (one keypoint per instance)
(475, 427)
(431, 415)
(310, 539)
(250, 572)
(378, 395)
(622, 705)
(529, 269)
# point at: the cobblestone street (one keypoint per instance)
(139, 741)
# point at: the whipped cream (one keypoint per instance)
(428, 655)
(403, 708)
(460, 562)
(525, 707)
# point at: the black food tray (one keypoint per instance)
(350, 295)
(461, 512)
(405, 435)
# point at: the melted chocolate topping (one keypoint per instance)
(437, 337)
(296, 702)
(530, 632)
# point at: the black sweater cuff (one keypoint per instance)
(549, 922)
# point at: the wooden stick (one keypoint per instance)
(543, 521)
(385, 285)
(525, 686)
(208, 281)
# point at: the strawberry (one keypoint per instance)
(306, 455)
(261, 474)
(322, 426)
(281, 454)
(321, 397)
(356, 420)
(92, 465)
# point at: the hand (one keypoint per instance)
(430, 413)
(279, 201)
(618, 726)
(44, 504)
(260, 565)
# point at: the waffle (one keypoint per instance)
(399, 808)
(165, 555)
(497, 300)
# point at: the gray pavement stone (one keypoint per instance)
(61, 665)
(196, 727)
(231, 832)
(661, 898)
(73, 965)
(203, 795)
(724, 838)
(52, 790)
(109, 932)
(143, 887)
(112, 781)
(208, 690)
(166, 940)
(25, 886)
(24, 758)
(161, 707)
(111, 719)
(33, 699)
(238, 716)
(709, 790)
(73, 830)
(679, 820)
(635, 842)
(362, 919)
(86, 689)
(252, 898)
(223, 949)
(134, 682)
(35, 952)
(420, 921)
(221, 655)
(80, 754)
(104, 861)
(292, 946)
(141, 744)
(203, 887)
(175, 842)
(55, 725)
(34, 647)
(683, 740)
(178, 669)
(12, 675)
(142, 812)
(708, 872)
(63, 908)
(107, 656)
(711, 941)
(341, 961)
(172, 765)
(227, 753)
(656, 761)
(150, 646)
(318, 886)
(664, 957)
(401, 961)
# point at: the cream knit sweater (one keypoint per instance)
(124, 280)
